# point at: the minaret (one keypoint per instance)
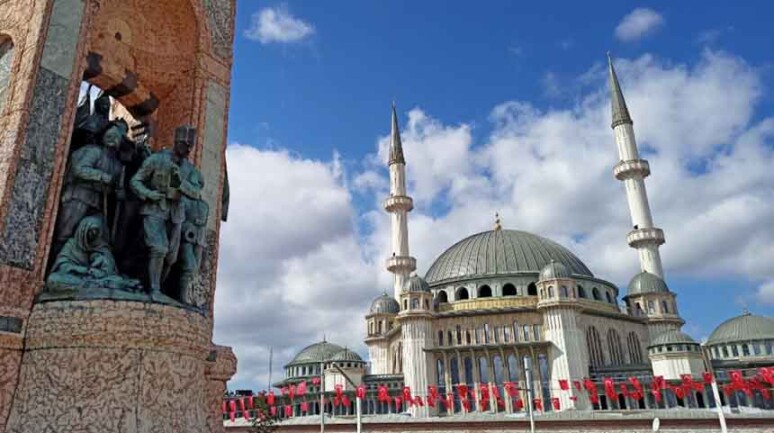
(633, 170)
(401, 264)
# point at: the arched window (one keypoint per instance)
(6, 59)
(516, 330)
(596, 357)
(581, 292)
(651, 307)
(439, 369)
(467, 336)
(485, 330)
(614, 347)
(664, 308)
(405, 304)
(459, 335)
(484, 292)
(563, 292)
(639, 311)
(462, 293)
(509, 290)
(513, 368)
(415, 303)
(595, 294)
(443, 297)
(635, 350)
(497, 369)
(609, 298)
(449, 340)
(483, 368)
(440, 338)
(532, 289)
(550, 291)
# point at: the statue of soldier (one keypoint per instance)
(92, 175)
(192, 245)
(161, 182)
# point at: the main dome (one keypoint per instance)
(317, 352)
(501, 252)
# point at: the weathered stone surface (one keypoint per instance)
(25, 213)
(202, 294)
(213, 149)
(113, 366)
(220, 15)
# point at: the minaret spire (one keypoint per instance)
(632, 170)
(399, 204)
(620, 111)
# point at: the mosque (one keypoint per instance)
(510, 306)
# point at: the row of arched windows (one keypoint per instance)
(733, 350)
(614, 348)
(487, 334)
(667, 307)
(483, 291)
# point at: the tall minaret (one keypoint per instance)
(401, 264)
(632, 171)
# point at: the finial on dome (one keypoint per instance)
(745, 312)
(497, 226)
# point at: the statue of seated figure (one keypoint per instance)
(86, 262)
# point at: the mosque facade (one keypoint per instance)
(507, 306)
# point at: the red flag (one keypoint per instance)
(450, 400)
(624, 390)
(465, 404)
(315, 381)
(301, 390)
(360, 392)
(406, 394)
(728, 389)
(462, 390)
(658, 383)
(418, 401)
(304, 407)
(484, 402)
(288, 411)
(223, 407)
(433, 393)
(765, 393)
(573, 398)
(707, 377)
(657, 395)
(251, 402)
(519, 404)
(232, 415)
(555, 403)
(610, 388)
(339, 391)
(591, 388)
(495, 392)
(500, 403)
(336, 400)
(246, 415)
(538, 404)
(242, 404)
(577, 384)
(636, 395)
(270, 399)
(232, 405)
(636, 384)
(273, 410)
(767, 374)
(398, 405)
(510, 389)
(679, 392)
(345, 401)
(383, 393)
(737, 378)
(291, 392)
(564, 385)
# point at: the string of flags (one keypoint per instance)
(488, 393)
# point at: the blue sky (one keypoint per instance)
(498, 101)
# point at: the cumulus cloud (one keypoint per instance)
(638, 24)
(277, 25)
(295, 265)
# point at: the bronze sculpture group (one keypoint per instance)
(129, 220)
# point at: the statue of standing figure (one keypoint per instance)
(92, 175)
(162, 182)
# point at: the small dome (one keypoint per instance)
(385, 304)
(672, 337)
(554, 270)
(645, 282)
(316, 353)
(416, 284)
(346, 355)
(746, 327)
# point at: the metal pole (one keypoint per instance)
(322, 398)
(528, 376)
(359, 415)
(715, 393)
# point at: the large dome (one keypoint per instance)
(747, 327)
(501, 252)
(317, 352)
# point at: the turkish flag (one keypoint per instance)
(232, 405)
(555, 403)
(538, 404)
(406, 394)
(636, 384)
(273, 411)
(304, 407)
(301, 389)
(465, 404)
(610, 388)
(657, 395)
(339, 391)
(251, 402)
(288, 411)
(707, 377)
(767, 374)
(246, 415)
(577, 384)
(433, 393)
(383, 393)
(315, 381)
(361, 392)
(510, 389)
(271, 399)
(564, 385)
(519, 404)
(737, 378)
(624, 390)
(345, 401)
(232, 415)
(679, 392)
(398, 405)
(291, 392)
(418, 401)
(462, 390)
(242, 404)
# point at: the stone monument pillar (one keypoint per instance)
(101, 358)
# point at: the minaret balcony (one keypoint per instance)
(399, 202)
(645, 236)
(401, 264)
(631, 169)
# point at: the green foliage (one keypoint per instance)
(263, 422)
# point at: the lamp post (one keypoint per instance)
(528, 377)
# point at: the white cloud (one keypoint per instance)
(765, 293)
(294, 265)
(637, 24)
(277, 25)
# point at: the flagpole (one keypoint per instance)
(271, 355)
(322, 398)
(528, 376)
(715, 393)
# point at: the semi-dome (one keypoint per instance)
(747, 327)
(346, 355)
(672, 336)
(385, 304)
(416, 283)
(315, 353)
(554, 270)
(645, 282)
(501, 252)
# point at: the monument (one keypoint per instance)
(109, 221)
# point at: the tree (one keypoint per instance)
(264, 421)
